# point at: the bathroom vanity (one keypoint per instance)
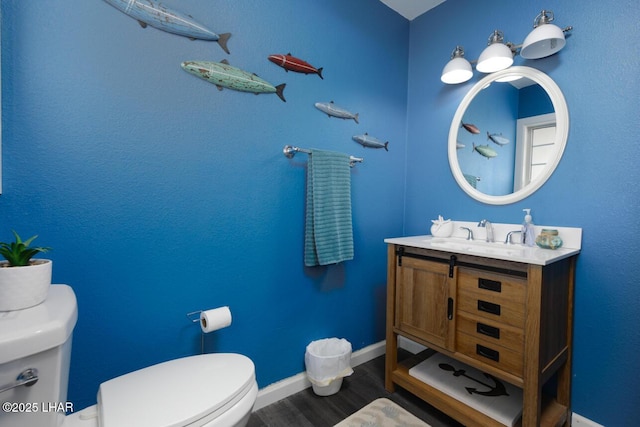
(506, 310)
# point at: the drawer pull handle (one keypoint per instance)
(488, 352)
(490, 285)
(489, 307)
(487, 330)
(450, 309)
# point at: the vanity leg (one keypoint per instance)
(391, 362)
(564, 373)
(532, 391)
(391, 355)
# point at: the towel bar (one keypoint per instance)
(289, 151)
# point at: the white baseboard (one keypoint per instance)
(580, 421)
(288, 386)
(409, 345)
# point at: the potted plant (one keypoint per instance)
(24, 281)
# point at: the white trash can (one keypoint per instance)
(328, 361)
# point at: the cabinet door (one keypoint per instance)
(425, 297)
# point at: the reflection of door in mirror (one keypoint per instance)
(535, 148)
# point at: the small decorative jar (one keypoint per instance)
(549, 239)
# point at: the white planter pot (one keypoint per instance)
(24, 287)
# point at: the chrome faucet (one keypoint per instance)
(469, 232)
(487, 225)
(510, 235)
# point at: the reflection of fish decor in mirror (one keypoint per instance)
(291, 63)
(472, 179)
(224, 75)
(531, 113)
(370, 141)
(498, 138)
(460, 145)
(161, 17)
(470, 128)
(332, 109)
(485, 150)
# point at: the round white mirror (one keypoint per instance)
(508, 135)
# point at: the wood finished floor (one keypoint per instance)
(366, 384)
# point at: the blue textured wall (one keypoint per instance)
(595, 186)
(162, 195)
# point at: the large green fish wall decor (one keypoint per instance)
(224, 75)
(485, 150)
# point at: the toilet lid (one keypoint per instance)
(174, 393)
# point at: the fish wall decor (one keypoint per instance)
(149, 12)
(459, 145)
(370, 141)
(291, 63)
(472, 179)
(470, 128)
(498, 139)
(332, 109)
(224, 75)
(485, 150)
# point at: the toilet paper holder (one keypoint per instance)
(212, 319)
(197, 314)
(196, 319)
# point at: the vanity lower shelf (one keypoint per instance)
(552, 413)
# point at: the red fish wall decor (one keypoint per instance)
(291, 63)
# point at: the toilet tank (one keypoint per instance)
(37, 338)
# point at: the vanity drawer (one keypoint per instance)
(496, 333)
(487, 352)
(493, 296)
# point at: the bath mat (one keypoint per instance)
(382, 413)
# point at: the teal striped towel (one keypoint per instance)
(328, 236)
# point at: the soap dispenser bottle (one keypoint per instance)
(528, 237)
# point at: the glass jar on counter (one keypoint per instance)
(549, 239)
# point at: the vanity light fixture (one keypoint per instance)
(545, 40)
(458, 70)
(496, 56)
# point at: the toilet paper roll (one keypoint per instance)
(217, 318)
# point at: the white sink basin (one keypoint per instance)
(479, 247)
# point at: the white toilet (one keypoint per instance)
(208, 390)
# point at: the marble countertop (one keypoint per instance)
(457, 243)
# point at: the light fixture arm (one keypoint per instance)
(458, 52)
(496, 37)
(543, 17)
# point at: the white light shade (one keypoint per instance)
(545, 40)
(458, 70)
(495, 57)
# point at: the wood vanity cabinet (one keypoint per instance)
(509, 319)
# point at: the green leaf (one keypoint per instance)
(18, 253)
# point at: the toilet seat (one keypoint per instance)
(182, 392)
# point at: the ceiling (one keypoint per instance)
(411, 9)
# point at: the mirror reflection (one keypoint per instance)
(489, 136)
(507, 136)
